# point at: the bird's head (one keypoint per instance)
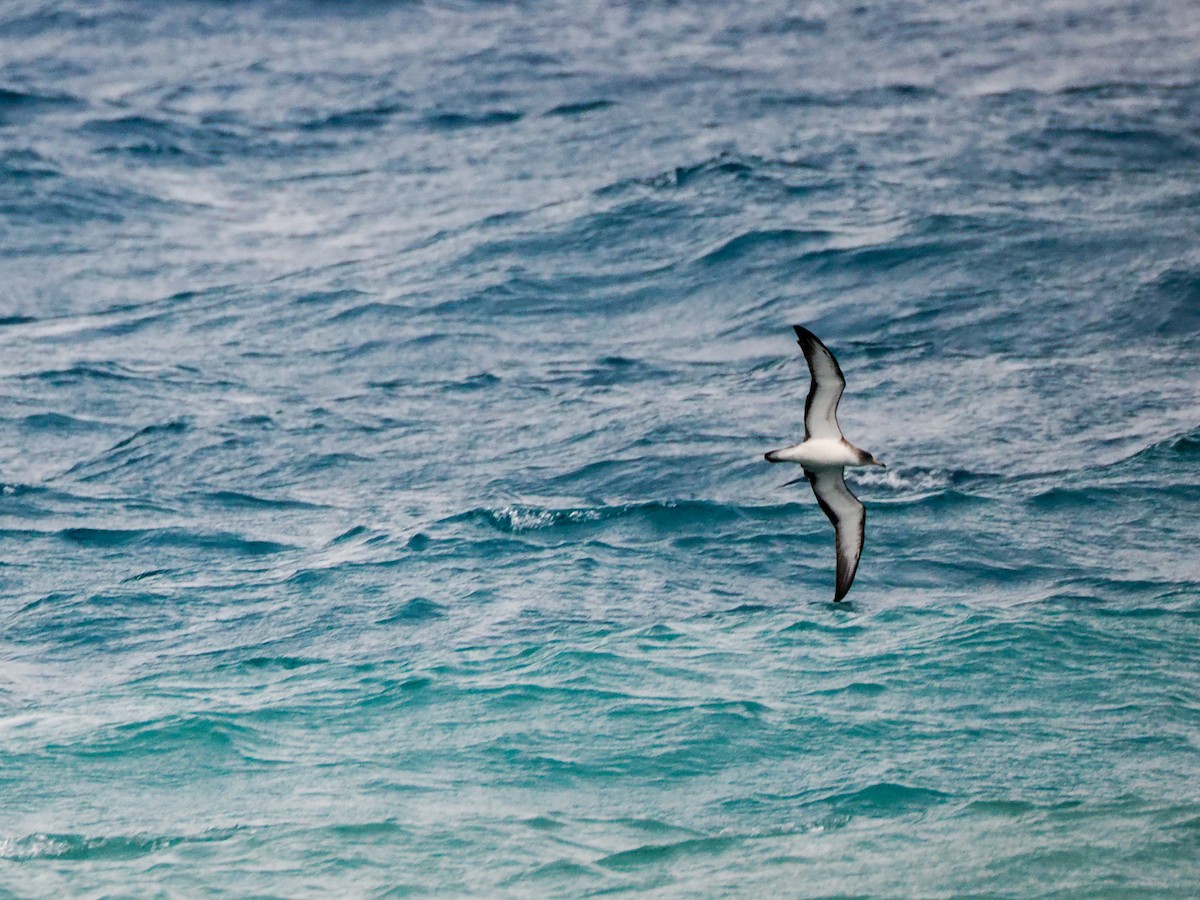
(866, 459)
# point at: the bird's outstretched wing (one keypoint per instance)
(849, 519)
(825, 388)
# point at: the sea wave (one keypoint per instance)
(111, 848)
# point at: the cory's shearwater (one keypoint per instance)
(824, 454)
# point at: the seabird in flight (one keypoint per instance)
(824, 454)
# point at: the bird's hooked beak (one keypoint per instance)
(876, 462)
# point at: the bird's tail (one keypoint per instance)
(774, 456)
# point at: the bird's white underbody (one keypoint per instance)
(821, 453)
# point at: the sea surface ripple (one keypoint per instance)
(383, 394)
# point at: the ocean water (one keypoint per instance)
(383, 394)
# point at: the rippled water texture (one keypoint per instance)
(383, 394)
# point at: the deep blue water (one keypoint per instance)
(383, 394)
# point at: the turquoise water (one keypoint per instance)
(383, 394)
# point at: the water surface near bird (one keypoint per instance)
(383, 394)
